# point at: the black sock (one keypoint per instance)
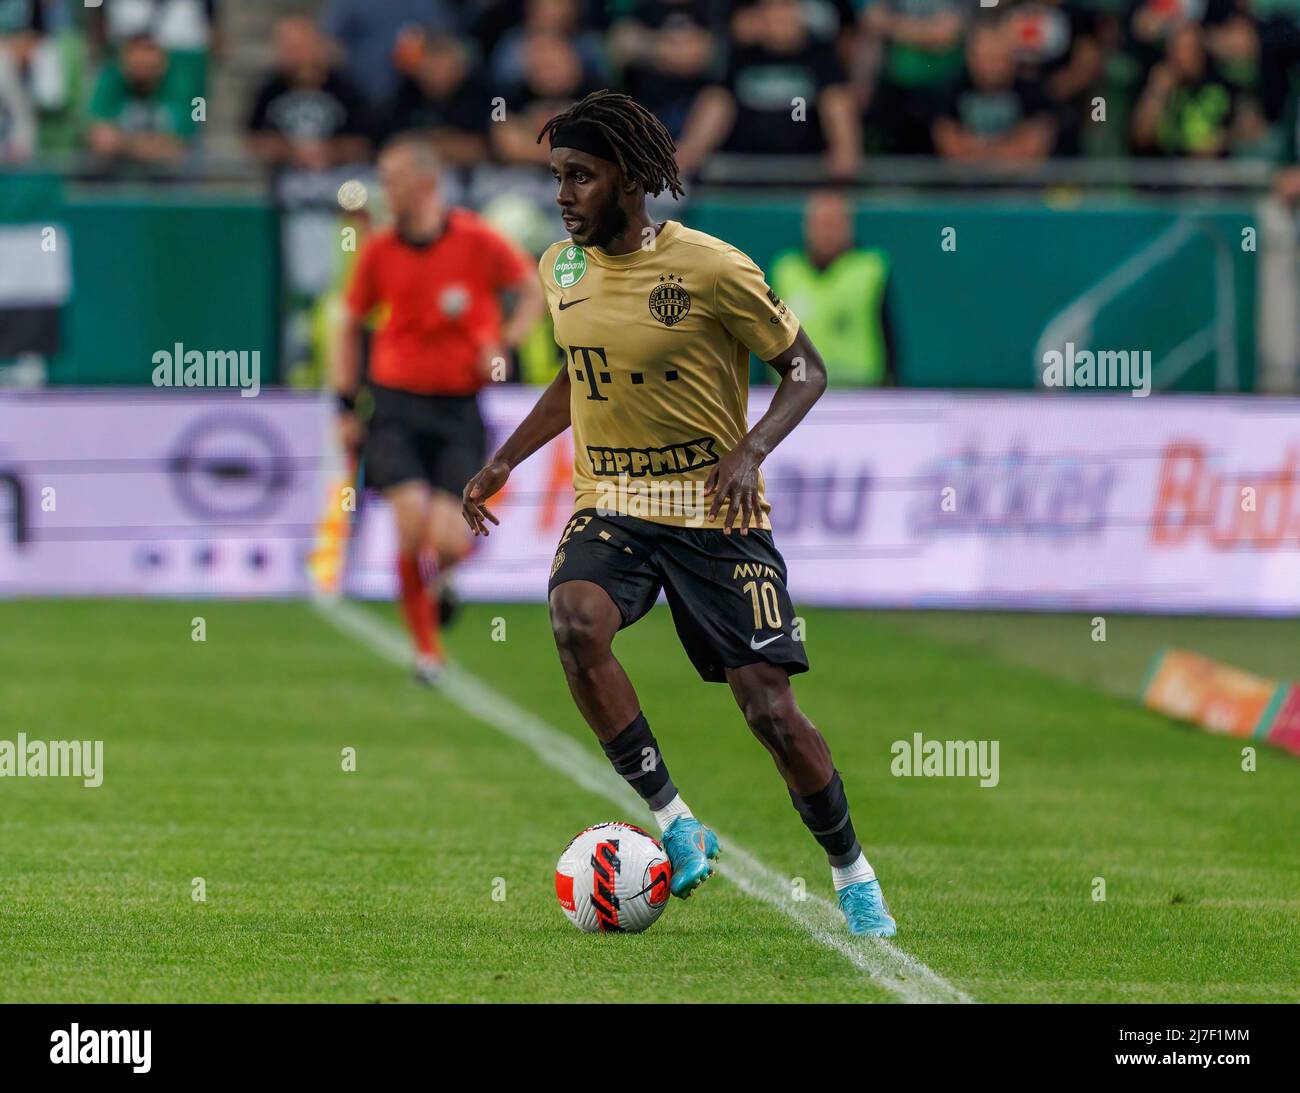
(826, 814)
(634, 752)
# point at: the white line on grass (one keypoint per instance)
(895, 970)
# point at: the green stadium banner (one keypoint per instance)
(1017, 279)
(151, 270)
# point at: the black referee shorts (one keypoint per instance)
(438, 439)
(727, 592)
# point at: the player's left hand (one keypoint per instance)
(734, 481)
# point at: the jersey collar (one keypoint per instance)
(666, 234)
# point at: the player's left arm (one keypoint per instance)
(734, 481)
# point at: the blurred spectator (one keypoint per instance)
(22, 25)
(835, 21)
(443, 98)
(17, 117)
(487, 21)
(184, 29)
(1229, 31)
(307, 114)
(1286, 183)
(1188, 107)
(783, 94)
(370, 32)
(1279, 54)
(139, 112)
(553, 81)
(921, 42)
(1056, 45)
(665, 51)
(827, 20)
(561, 18)
(993, 115)
(840, 294)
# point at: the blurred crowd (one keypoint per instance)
(969, 80)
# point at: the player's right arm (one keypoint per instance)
(545, 421)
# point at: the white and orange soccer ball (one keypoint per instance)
(613, 878)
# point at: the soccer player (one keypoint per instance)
(656, 323)
(436, 278)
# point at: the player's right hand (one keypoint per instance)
(487, 483)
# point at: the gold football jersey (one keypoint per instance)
(657, 346)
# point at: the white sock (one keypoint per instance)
(666, 815)
(854, 873)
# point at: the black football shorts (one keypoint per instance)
(438, 439)
(726, 592)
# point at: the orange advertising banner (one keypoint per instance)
(1215, 696)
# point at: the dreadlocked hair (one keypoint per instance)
(643, 146)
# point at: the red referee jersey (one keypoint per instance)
(438, 304)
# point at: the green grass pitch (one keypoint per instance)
(223, 761)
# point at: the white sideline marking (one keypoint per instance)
(895, 970)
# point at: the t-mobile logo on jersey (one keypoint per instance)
(591, 366)
(589, 363)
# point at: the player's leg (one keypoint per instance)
(448, 535)
(410, 501)
(394, 464)
(603, 580)
(453, 445)
(736, 622)
(766, 699)
(584, 621)
(449, 540)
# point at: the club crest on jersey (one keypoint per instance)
(669, 302)
(570, 265)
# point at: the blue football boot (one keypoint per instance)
(691, 848)
(865, 910)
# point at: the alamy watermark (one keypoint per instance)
(675, 497)
(23, 758)
(921, 758)
(129, 1047)
(1119, 368)
(181, 367)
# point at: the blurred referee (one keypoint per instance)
(433, 282)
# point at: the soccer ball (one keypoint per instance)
(613, 878)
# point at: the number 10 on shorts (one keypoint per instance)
(763, 597)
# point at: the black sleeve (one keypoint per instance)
(1083, 23)
(399, 110)
(470, 112)
(1034, 101)
(1218, 12)
(257, 119)
(826, 66)
(736, 63)
(357, 121)
(944, 105)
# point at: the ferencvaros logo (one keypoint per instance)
(570, 265)
(669, 302)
